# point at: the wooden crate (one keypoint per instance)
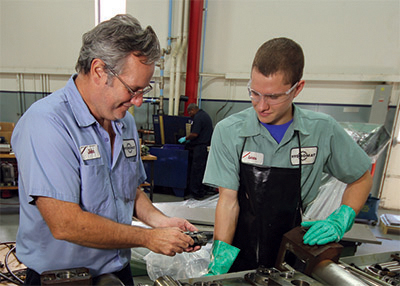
(387, 226)
(6, 129)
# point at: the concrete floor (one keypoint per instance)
(9, 217)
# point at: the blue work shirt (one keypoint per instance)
(64, 153)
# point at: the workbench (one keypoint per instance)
(150, 158)
(9, 157)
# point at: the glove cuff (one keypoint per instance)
(222, 257)
(346, 212)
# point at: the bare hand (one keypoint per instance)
(184, 225)
(181, 223)
(169, 241)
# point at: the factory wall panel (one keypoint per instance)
(338, 36)
(153, 13)
(350, 47)
(43, 35)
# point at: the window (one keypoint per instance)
(106, 9)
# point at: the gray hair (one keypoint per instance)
(192, 106)
(113, 40)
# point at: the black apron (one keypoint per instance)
(270, 205)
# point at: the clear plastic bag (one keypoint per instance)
(327, 201)
(181, 266)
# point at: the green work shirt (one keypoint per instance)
(325, 148)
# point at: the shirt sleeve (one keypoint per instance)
(348, 161)
(223, 161)
(46, 158)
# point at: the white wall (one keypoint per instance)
(43, 35)
(390, 182)
(350, 45)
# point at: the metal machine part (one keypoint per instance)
(332, 274)
(166, 281)
(7, 174)
(108, 280)
(260, 277)
(388, 272)
(200, 237)
(304, 257)
(272, 276)
(321, 262)
(368, 279)
(75, 276)
(376, 268)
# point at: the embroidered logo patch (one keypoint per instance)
(253, 158)
(129, 146)
(307, 156)
(89, 152)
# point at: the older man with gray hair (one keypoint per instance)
(79, 163)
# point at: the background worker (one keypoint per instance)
(79, 163)
(268, 161)
(197, 142)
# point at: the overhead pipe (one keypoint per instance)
(193, 59)
(162, 66)
(164, 52)
(202, 53)
(169, 26)
(169, 41)
(181, 53)
(173, 59)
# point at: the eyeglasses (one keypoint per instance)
(139, 92)
(272, 98)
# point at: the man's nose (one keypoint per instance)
(137, 100)
(264, 101)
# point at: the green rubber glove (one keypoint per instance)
(222, 257)
(331, 229)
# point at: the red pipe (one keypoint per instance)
(194, 48)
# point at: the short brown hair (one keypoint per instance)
(280, 55)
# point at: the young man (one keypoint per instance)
(79, 163)
(268, 162)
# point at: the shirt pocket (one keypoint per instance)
(126, 181)
(96, 194)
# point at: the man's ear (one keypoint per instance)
(98, 72)
(299, 87)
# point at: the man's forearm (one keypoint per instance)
(357, 193)
(192, 136)
(69, 222)
(226, 216)
(146, 211)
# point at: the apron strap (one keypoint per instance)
(300, 203)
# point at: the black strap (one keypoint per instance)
(300, 205)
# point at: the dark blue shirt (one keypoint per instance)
(202, 125)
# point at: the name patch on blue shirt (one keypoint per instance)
(129, 146)
(89, 152)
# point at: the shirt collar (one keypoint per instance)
(298, 120)
(252, 125)
(79, 108)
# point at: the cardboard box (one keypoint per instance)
(6, 129)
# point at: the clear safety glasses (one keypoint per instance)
(139, 92)
(272, 98)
